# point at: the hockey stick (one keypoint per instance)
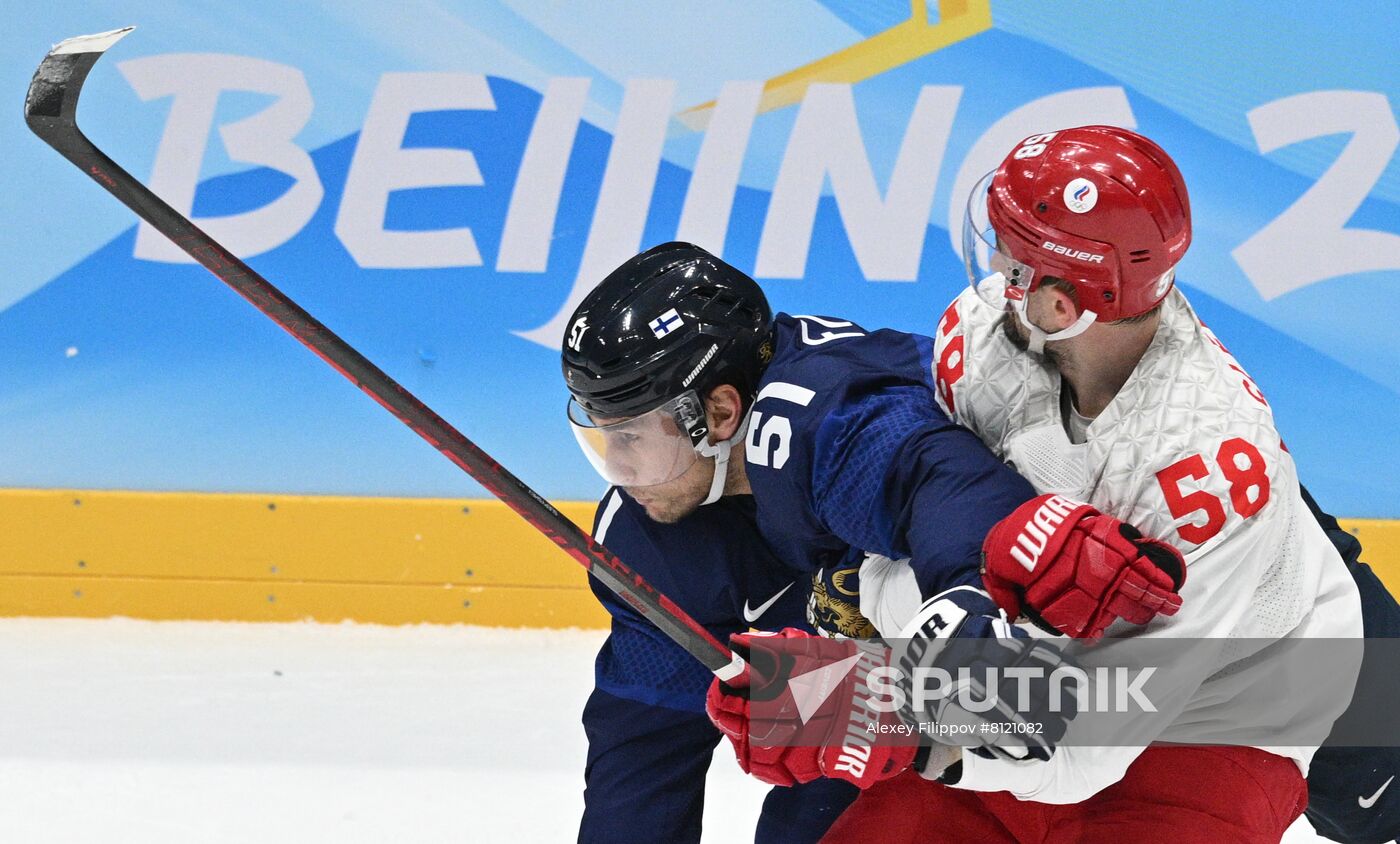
(50, 109)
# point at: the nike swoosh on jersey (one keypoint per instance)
(1368, 802)
(751, 615)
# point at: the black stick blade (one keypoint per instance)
(52, 100)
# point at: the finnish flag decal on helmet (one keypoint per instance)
(666, 323)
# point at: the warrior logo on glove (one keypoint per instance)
(1073, 570)
(804, 709)
(809, 706)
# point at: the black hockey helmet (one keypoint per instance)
(645, 347)
(671, 319)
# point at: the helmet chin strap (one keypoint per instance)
(1039, 337)
(720, 452)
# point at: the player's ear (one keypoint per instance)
(723, 407)
(1057, 306)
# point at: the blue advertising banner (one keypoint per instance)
(439, 181)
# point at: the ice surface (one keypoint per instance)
(128, 731)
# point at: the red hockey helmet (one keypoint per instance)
(1100, 207)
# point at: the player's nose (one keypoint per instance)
(624, 472)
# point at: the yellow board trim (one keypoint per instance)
(285, 557)
(902, 43)
(1380, 544)
(325, 558)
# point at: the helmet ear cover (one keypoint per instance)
(689, 413)
(1103, 208)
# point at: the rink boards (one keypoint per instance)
(283, 558)
(328, 558)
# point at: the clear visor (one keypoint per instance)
(999, 279)
(653, 448)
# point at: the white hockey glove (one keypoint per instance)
(975, 680)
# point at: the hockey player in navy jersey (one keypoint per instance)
(675, 359)
(649, 740)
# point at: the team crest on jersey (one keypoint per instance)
(839, 578)
(830, 611)
(765, 352)
(1081, 195)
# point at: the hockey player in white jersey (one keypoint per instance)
(1075, 358)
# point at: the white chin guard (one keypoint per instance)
(720, 452)
(1038, 336)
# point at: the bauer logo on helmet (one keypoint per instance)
(1077, 254)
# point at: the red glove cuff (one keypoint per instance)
(1016, 548)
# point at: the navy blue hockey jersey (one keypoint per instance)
(649, 740)
(847, 452)
(847, 448)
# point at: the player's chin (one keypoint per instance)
(674, 500)
(666, 512)
(666, 509)
(1014, 331)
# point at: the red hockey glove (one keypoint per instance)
(815, 737)
(1069, 567)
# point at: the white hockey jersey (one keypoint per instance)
(1187, 451)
